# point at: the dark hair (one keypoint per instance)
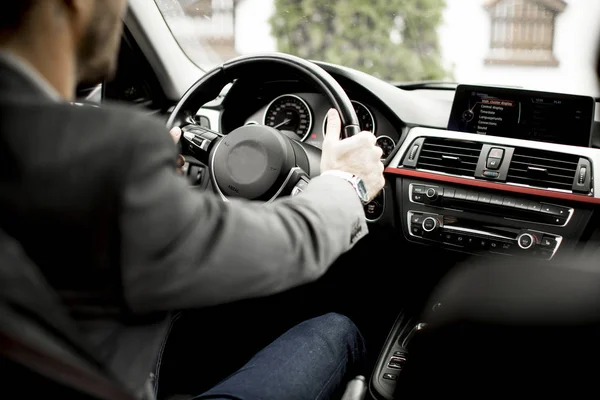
(13, 13)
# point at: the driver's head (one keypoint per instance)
(85, 34)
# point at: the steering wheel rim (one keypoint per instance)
(263, 173)
(210, 85)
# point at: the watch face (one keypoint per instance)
(362, 191)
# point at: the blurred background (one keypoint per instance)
(539, 44)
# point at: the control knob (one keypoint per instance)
(430, 224)
(431, 194)
(525, 241)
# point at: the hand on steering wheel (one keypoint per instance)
(176, 136)
(258, 162)
(358, 155)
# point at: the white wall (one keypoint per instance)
(253, 31)
(465, 38)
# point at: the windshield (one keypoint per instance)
(537, 44)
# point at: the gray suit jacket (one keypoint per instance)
(93, 197)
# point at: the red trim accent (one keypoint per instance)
(492, 185)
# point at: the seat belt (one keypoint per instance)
(82, 379)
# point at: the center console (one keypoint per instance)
(496, 196)
(512, 177)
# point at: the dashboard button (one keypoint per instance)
(418, 197)
(483, 244)
(497, 200)
(496, 153)
(484, 198)
(506, 247)
(417, 219)
(555, 210)
(470, 241)
(460, 194)
(548, 242)
(491, 174)
(449, 237)
(553, 219)
(534, 206)
(495, 245)
(416, 230)
(493, 163)
(431, 194)
(522, 204)
(418, 189)
(460, 239)
(472, 196)
(449, 193)
(525, 241)
(429, 224)
(390, 377)
(509, 202)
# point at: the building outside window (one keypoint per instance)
(522, 31)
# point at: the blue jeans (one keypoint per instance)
(311, 361)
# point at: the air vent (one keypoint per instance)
(544, 169)
(455, 157)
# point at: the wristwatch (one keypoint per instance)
(355, 181)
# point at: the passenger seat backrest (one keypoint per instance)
(509, 328)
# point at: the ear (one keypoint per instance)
(79, 14)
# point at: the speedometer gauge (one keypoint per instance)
(365, 118)
(289, 113)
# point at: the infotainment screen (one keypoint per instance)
(523, 114)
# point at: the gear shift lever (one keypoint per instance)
(418, 327)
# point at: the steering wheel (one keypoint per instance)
(256, 162)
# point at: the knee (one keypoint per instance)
(339, 329)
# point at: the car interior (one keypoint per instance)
(499, 176)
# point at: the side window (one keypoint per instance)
(90, 94)
(522, 31)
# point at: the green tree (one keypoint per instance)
(395, 40)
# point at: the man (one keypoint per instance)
(93, 197)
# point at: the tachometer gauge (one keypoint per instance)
(365, 118)
(387, 144)
(289, 113)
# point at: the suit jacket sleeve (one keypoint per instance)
(182, 248)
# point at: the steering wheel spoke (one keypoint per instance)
(298, 182)
(198, 141)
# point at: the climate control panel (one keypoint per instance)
(480, 201)
(466, 236)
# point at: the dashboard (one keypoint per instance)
(303, 116)
(499, 172)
